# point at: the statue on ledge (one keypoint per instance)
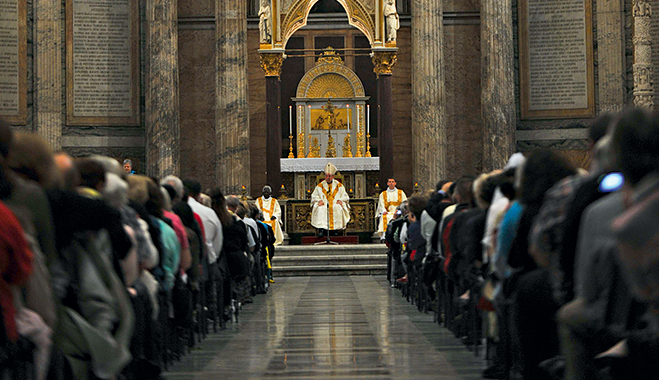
(392, 20)
(330, 203)
(264, 22)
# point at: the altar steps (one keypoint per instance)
(328, 260)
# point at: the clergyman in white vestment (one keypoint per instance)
(332, 193)
(271, 210)
(389, 200)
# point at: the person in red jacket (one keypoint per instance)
(15, 266)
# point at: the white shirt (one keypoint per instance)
(212, 229)
(249, 222)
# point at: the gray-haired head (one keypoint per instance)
(115, 191)
(128, 161)
(175, 182)
(232, 202)
(110, 164)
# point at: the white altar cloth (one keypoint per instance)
(297, 165)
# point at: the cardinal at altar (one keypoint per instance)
(389, 200)
(332, 193)
(271, 213)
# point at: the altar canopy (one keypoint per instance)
(332, 119)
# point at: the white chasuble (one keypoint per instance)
(389, 200)
(270, 207)
(330, 194)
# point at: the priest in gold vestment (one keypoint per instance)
(389, 200)
(330, 196)
(271, 210)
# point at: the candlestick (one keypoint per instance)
(368, 145)
(290, 147)
(290, 120)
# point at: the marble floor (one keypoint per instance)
(339, 327)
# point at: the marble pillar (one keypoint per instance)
(232, 111)
(643, 70)
(610, 65)
(383, 63)
(162, 82)
(428, 93)
(271, 64)
(497, 83)
(48, 116)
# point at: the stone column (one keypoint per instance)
(610, 65)
(383, 62)
(48, 117)
(271, 63)
(232, 111)
(162, 103)
(497, 83)
(428, 93)
(643, 70)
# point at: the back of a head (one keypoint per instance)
(110, 164)
(138, 190)
(233, 202)
(635, 144)
(241, 211)
(176, 183)
(416, 204)
(219, 204)
(115, 191)
(32, 157)
(463, 189)
(92, 172)
(192, 187)
(542, 170)
(440, 185)
(253, 211)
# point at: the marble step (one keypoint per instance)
(332, 250)
(287, 261)
(329, 270)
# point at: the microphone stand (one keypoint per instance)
(327, 241)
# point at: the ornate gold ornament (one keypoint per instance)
(359, 16)
(347, 146)
(271, 63)
(384, 61)
(330, 78)
(314, 150)
(331, 149)
(300, 145)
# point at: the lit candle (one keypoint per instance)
(290, 120)
(368, 119)
(243, 187)
(282, 186)
(416, 184)
(348, 116)
(377, 185)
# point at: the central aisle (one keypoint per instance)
(338, 327)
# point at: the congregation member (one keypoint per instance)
(330, 208)
(388, 201)
(271, 210)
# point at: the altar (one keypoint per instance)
(330, 122)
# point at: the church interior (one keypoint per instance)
(356, 114)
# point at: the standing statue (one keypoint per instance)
(264, 22)
(392, 20)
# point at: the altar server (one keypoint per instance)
(330, 196)
(271, 210)
(389, 200)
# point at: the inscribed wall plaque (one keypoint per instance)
(13, 61)
(102, 62)
(556, 59)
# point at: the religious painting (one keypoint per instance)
(324, 120)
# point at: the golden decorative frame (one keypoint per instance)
(525, 72)
(21, 117)
(323, 68)
(134, 119)
(296, 18)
